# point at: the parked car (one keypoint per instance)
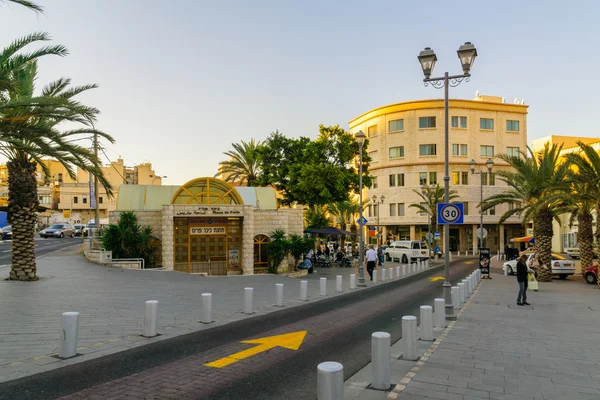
(406, 251)
(591, 274)
(58, 231)
(573, 251)
(6, 232)
(80, 230)
(560, 265)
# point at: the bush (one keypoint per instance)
(277, 249)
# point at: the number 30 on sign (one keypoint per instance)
(450, 213)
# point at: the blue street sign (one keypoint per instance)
(450, 213)
(371, 228)
(436, 249)
(437, 235)
(362, 221)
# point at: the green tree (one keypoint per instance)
(277, 249)
(533, 183)
(298, 246)
(316, 218)
(243, 165)
(316, 172)
(345, 214)
(431, 196)
(29, 132)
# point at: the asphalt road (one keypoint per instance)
(338, 329)
(42, 246)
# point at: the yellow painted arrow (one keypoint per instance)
(436, 278)
(469, 262)
(291, 341)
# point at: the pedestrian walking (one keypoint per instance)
(380, 255)
(371, 260)
(506, 251)
(522, 270)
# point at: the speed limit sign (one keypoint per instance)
(450, 213)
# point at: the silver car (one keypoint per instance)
(560, 265)
(58, 231)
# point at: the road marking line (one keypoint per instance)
(6, 251)
(436, 278)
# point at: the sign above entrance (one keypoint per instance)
(206, 211)
(208, 230)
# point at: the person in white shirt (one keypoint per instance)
(371, 260)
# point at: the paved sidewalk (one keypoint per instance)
(498, 350)
(111, 303)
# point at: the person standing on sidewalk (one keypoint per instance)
(371, 260)
(380, 255)
(522, 279)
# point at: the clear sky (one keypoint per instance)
(181, 80)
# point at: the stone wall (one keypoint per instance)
(288, 219)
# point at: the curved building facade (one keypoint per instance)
(406, 144)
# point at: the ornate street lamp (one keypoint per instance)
(490, 165)
(381, 198)
(427, 58)
(360, 138)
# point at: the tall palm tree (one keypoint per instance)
(432, 196)
(28, 4)
(533, 182)
(345, 213)
(243, 165)
(29, 133)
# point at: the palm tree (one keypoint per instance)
(345, 213)
(243, 165)
(533, 184)
(28, 134)
(584, 198)
(29, 4)
(432, 196)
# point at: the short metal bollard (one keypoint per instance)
(426, 323)
(436, 258)
(150, 318)
(439, 315)
(450, 256)
(470, 280)
(455, 298)
(383, 275)
(414, 267)
(69, 335)
(391, 273)
(398, 272)
(338, 283)
(279, 294)
(248, 293)
(330, 381)
(323, 287)
(458, 253)
(461, 293)
(374, 276)
(409, 337)
(352, 281)
(381, 365)
(404, 270)
(427, 264)
(206, 313)
(304, 290)
(467, 295)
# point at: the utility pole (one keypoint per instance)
(96, 211)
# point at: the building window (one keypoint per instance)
(422, 178)
(396, 125)
(433, 178)
(486, 123)
(459, 122)
(488, 179)
(466, 208)
(372, 130)
(400, 179)
(375, 210)
(75, 199)
(486, 151)
(423, 206)
(513, 151)
(426, 122)
(392, 209)
(427, 150)
(392, 180)
(396, 180)
(459, 149)
(397, 152)
(492, 179)
(493, 210)
(374, 156)
(512, 126)
(84, 200)
(465, 178)
(375, 185)
(456, 178)
(484, 179)
(369, 213)
(100, 200)
(401, 209)
(261, 253)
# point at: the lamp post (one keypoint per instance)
(427, 58)
(360, 138)
(381, 198)
(489, 164)
(425, 192)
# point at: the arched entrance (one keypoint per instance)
(210, 245)
(261, 255)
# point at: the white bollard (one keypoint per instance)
(374, 276)
(471, 289)
(458, 253)
(436, 258)
(439, 316)
(338, 283)
(279, 294)
(450, 254)
(391, 273)
(409, 337)
(383, 275)
(426, 323)
(427, 264)
(304, 290)
(150, 318)
(455, 298)
(461, 293)
(352, 281)
(330, 381)
(381, 365)
(398, 272)
(206, 313)
(248, 293)
(404, 270)
(466, 283)
(323, 287)
(69, 335)
(414, 268)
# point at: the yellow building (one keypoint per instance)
(406, 144)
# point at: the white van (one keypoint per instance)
(407, 251)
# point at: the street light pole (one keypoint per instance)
(375, 201)
(489, 164)
(427, 58)
(360, 138)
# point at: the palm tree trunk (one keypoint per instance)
(342, 237)
(22, 213)
(542, 232)
(586, 237)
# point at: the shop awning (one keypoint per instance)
(330, 230)
(524, 239)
